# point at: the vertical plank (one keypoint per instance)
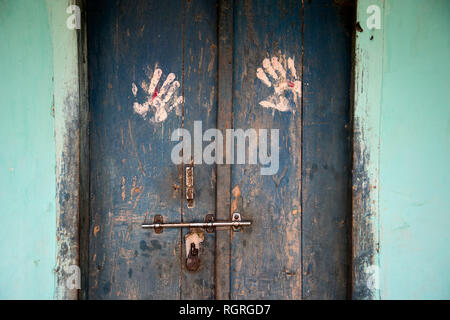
(326, 196)
(200, 92)
(224, 121)
(266, 258)
(366, 142)
(132, 175)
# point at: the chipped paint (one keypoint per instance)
(236, 192)
(123, 189)
(373, 277)
(366, 142)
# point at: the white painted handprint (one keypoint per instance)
(161, 100)
(275, 75)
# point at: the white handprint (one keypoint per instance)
(281, 82)
(162, 100)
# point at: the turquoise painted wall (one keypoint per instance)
(414, 158)
(27, 156)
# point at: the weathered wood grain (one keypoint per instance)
(326, 196)
(200, 92)
(132, 176)
(266, 258)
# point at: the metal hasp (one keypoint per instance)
(209, 225)
(190, 186)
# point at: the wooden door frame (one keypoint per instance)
(366, 111)
(72, 153)
(70, 105)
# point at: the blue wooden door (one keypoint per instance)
(159, 66)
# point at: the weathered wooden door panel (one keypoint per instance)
(132, 175)
(200, 92)
(139, 180)
(221, 55)
(326, 198)
(266, 258)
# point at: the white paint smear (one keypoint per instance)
(154, 81)
(134, 89)
(262, 76)
(282, 80)
(171, 91)
(141, 109)
(159, 100)
(282, 104)
(297, 87)
(373, 277)
(167, 83)
(278, 67)
(269, 69)
(291, 66)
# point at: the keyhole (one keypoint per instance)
(192, 261)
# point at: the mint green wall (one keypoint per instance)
(27, 155)
(402, 147)
(414, 191)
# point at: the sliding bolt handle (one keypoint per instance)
(236, 223)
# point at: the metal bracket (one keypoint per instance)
(190, 186)
(236, 218)
(158, 220)
(209, 219)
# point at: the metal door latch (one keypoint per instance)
(209, 225)
(196, 234)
